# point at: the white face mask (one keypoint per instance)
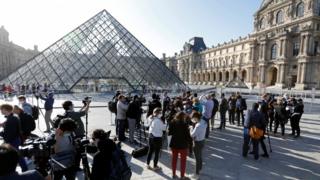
(194, 120)
(159, 116)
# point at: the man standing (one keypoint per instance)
(48, 106)
(215, 109)
(223, 110)
(240, 106)
(207, 113)
(27, 108)
(12, 131)
(155, 103)
(133, 114)
(80, 130)
(122, 108)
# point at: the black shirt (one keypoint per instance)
(181, 138)
(28, 175)
(11, 129)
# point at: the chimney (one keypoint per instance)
(164, 56)
(35, 47)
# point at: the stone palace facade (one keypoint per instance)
(282, 52)
(12, 55)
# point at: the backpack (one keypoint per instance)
(119, 166)
(243, 104)
(28, 125)
(112, 106)
(57, 120)
(35, 112)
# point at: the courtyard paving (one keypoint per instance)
(291, 158)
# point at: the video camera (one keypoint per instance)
(87, 100)
(40, 149)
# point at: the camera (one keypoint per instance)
(40, 149)
(84, 145)
(87, 100)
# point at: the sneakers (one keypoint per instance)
(175, 177)
(265, 155)
(149, 167)
(194, 176)
(156, 168)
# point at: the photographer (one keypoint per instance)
(9, 158)
(133, 114)
(12, 131)
(48, 106)
(26, 121)
(64, 150)
(101, 166)
(27, 108)
(76, 116)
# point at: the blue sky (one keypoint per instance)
(162, 25)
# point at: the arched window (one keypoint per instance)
(262, 23)
(279, 17)
(274, 51)
(300, 10)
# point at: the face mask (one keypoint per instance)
(71, 108)
(194, 120)
(159, 116)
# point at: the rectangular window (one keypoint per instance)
(315, 50)
(296, 48)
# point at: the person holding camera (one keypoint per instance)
(9, 158)
(79, 130)
(12, 131)
(64, 151)
(48, 106)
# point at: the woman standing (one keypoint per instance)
(156, 128)
(180, 142)
(198, 135)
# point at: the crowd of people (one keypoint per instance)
(183, 122)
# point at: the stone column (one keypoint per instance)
(282, 75)
(303, 73)
(262, 74)
(262, 54)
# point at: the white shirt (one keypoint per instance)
(156, 127)
(199, 131)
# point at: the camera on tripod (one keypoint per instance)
(86, 100)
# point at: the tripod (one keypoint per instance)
(269, 140)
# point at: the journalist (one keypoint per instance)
(12, 131)
(102, 160)
(76, 116)
(9, 158)
(64, 151)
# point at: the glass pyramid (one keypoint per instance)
(100, 48)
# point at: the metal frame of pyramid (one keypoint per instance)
(99, 48)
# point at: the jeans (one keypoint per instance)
(198, 147)
(295, 124)
(155, 144)
(132, 128)
(208, 127)
(240, 113)
(212, 119)
(183, 160)
(47, 118)
(121, 129)
(277, 122)
(223, 120)
(231, 116)
(246, 141)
